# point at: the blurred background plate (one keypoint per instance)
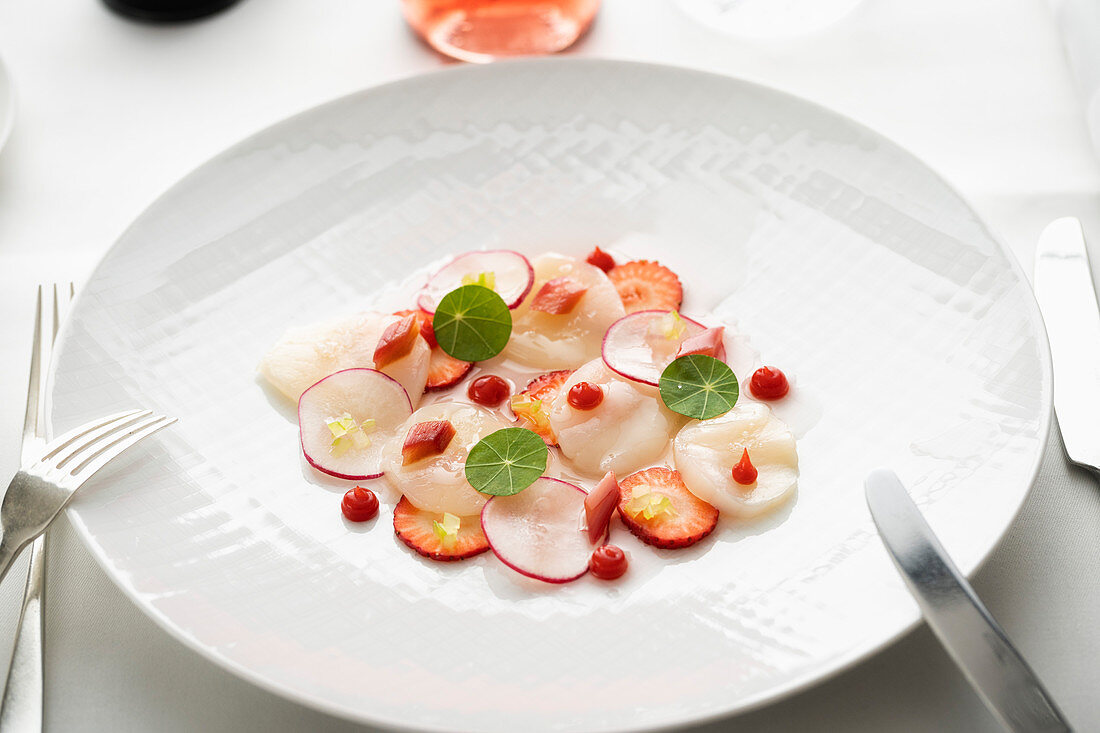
(7, 103)
(912, 335)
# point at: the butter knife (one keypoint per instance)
(1063, 287)
(980, 648)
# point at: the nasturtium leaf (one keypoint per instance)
(472, 323)
(698, 386)
(506, 462)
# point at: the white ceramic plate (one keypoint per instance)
(846, 260)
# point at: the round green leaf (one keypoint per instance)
(506, 462)
(472, 323)
(699, 386)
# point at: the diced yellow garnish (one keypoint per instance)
(339, 426)
(530, 410)
(484, 279)
(650, 505)
(346, 432)
(447, 530)
(671, 326)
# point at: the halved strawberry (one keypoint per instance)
(417, 529)
(658, 508)
(532, 405)
(645, 285)
(443, 369)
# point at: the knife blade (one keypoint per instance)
(1001, 677)
(1067, 299)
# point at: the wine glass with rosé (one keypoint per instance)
(485, 30)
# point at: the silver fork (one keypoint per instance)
(50, 474)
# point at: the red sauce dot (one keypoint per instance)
(585, 396)
(768, 383)
(744, 472)
(608, 562)
(489, 390)
(601, 259)
(359, 504)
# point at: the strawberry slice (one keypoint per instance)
(558, 296)
(443, 369)
(532, 405)
(396, 341)
(645, 285)
(658, 508)
(418, 529)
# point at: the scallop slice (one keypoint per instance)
(438, 484)
(546, 341)
(628, 430)
(707, 450)
(307, 354)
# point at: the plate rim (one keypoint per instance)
(795, 685)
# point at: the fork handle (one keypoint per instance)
(21, 708)
(9, 550)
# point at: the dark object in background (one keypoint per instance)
(166, 11)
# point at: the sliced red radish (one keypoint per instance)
(639, 346)
(346, 418)
(538, 533)
(508, 273)
(600, 505)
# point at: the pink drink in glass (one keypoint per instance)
(483, 30)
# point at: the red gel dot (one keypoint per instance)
(768, 383)
(585, 396)
(489, 390)
(608, 562)
(359, 504)
(744, 472)
(601, 259)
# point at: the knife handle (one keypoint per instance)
(977, 644)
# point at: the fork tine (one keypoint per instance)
(99, 458)
(64, 443)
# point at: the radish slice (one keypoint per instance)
(538, 532)
(509, 273)
(334, 419)
(640, 345)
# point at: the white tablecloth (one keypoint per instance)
(112, 113)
